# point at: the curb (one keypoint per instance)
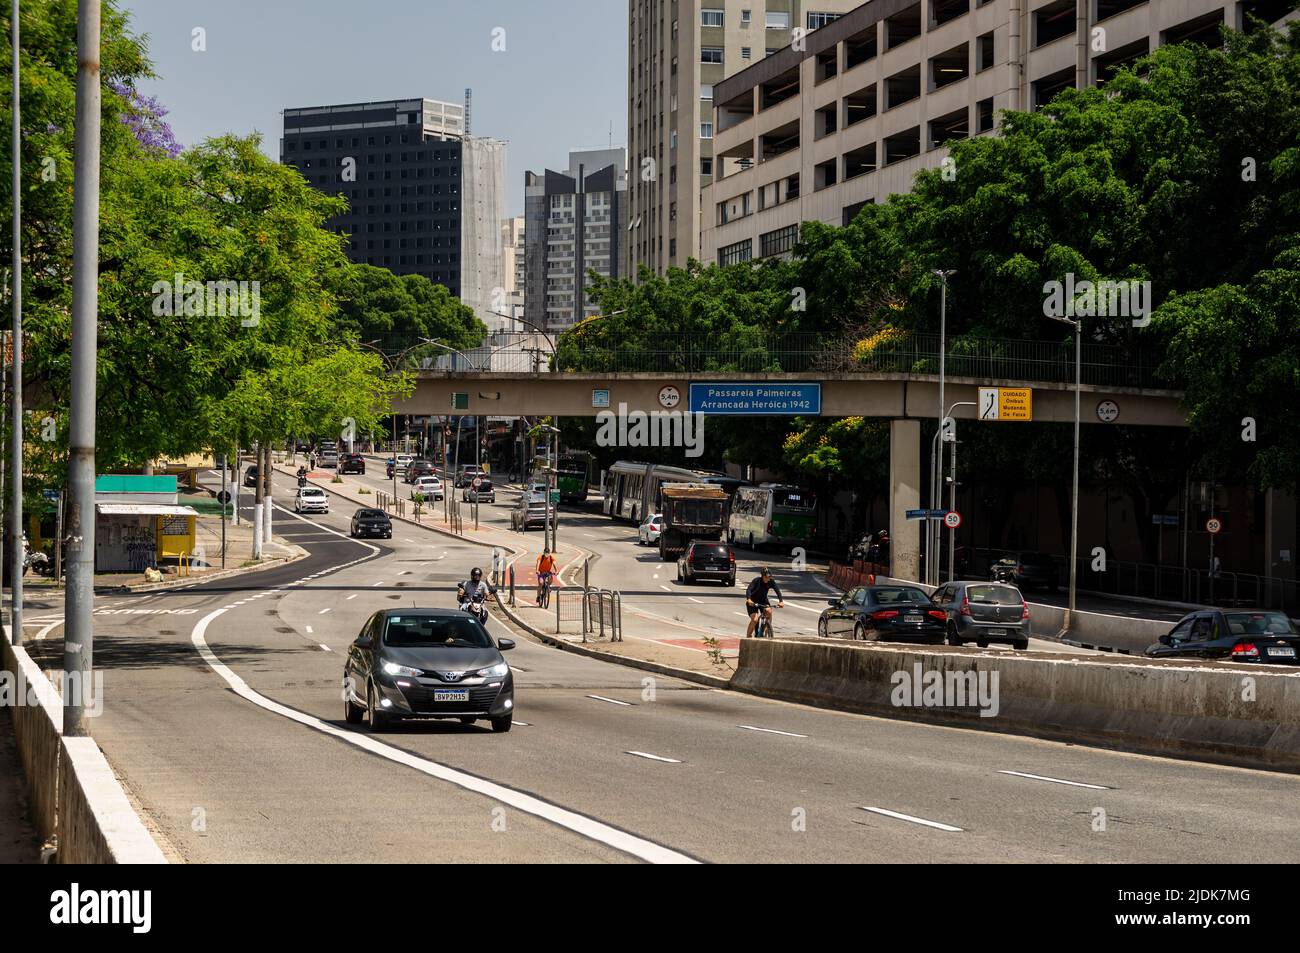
(214, 577)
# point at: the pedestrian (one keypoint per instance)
(1214, 567)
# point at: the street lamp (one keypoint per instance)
(551, 515)
(932, 532)
(1077, 325)
(932, 553)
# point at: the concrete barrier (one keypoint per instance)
(37, 715)
(74, 795)
(1148, 706)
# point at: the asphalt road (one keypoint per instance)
(224, 719)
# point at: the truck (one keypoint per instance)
(690, 511)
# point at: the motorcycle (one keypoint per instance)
(476, 606)
(1004, 572)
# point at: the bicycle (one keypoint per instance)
(544, 591)
(764, 628)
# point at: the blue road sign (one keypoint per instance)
(51, 495)
(743, 398)
(916, 514)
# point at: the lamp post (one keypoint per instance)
(1077, 325)
(552, 517)
(16, 445)
(932, 532)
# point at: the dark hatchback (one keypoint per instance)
(418, 468)
(352, 463)
(427, 663)
(884, 614)
(1237, 635)
(250, 476)
(984, 612)
(716, 561)
(1027, 571)
(371, 523)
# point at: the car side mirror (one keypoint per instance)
(835, 603)
(364, 642)
(1166, 640)
(505, 645)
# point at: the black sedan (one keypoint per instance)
(427, 663)
(1237, 635)
(352, 463)
(884, 614)
(371, 523)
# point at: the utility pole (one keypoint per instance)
(16, 289)
(224, 475)
(78, 640)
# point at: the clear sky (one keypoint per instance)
(559, 83)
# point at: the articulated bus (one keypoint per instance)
(573, 473)
(632, 489)
(772, 514)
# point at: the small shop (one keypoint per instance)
(138, 523)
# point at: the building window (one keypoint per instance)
(711, 54)
(711, 17)
(779, 241)
(778, 20)
(734, 254)
(818, 20)
(746, 16)
(706, 92)
(706, 130)
(706, 165)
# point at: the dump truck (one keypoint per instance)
(691, 511)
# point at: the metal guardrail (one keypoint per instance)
(1114, 365)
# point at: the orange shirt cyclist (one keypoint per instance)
(545, 568)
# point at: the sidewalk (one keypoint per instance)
(18, 841)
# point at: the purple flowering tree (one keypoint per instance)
(144, 117)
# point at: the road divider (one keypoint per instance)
(1249, 718)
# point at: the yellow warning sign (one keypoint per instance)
(1015, 404)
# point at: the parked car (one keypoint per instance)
(984, 612)
(427, 663)
(1238, 635)
(483, 493)
(430, 487)
(1027, 570)
(647, 534)
(367, 522)
(530, 512)
(311, 499)
(352, 463)
(250, 476)
(884, 614)
(704, 560)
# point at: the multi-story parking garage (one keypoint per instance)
(819, 129)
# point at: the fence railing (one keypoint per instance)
(1115, 365)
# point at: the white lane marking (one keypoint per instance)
(693, 599)
(353, 596)
(591, 535)
(379, 583)
(771, 731)
(612, 701)
(914, 820)
(665, 588)
(652, 757)
(796, 605)
(525, 724)
(309, 632)
(323, 611)
(561, 817)
(741, 614)
(324, 646)
(1073, 784)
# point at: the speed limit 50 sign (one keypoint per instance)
(1212, 526)
(952, 519)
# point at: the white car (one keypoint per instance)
(402, 460)
(648, 532)
(311, 499)
(430, 487)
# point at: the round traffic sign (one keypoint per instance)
(952, 519)
(1212, 526)
(669, 396)
(223, 496)
(476, 482)
(1108, 411)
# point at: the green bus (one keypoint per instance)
(772, 514)
(573, 474)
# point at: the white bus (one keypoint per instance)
(772, 514)
(632, 489)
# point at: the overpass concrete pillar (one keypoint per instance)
(904, 495)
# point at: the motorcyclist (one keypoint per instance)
(467, 590)
(756, 603)
(302, 476)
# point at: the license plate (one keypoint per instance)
(914, 618)
(450, 695)
(1281, 651)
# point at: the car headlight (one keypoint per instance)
(494, 671)
(392, 668)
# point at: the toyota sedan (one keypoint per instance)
(427, 663)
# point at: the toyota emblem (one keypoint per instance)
(452, 676)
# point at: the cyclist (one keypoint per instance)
(545, 570)
(756, 603)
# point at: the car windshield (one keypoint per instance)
(371, 515)
(417, 631)
(994, 595)
(311, 492)
(718, 550)
(895, 594)
(1259, 623)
